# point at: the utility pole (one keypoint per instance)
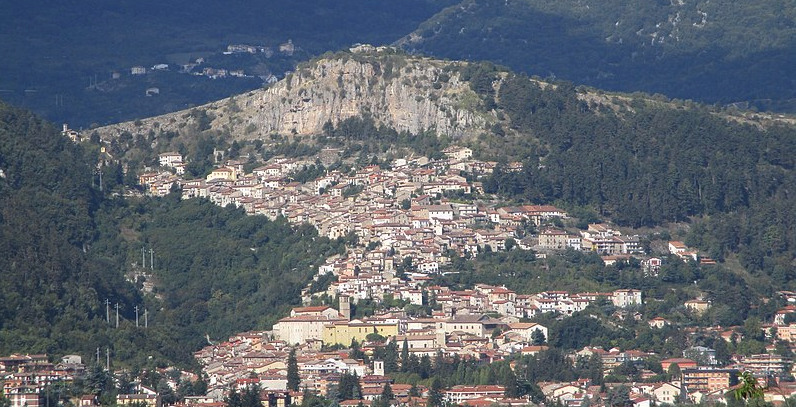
(136, 316)
(117, 314)
(107, 311)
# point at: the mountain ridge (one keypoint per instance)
(711, 52)
(408, 93)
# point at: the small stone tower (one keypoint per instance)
(378, 367)
(345, 306)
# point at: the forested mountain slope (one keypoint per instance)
(66, 247)
(642, 162)
(634, 159)
(712, 51)
(52, 293)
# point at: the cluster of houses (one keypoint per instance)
(395, 213)
(323, 325)
(251, 358)
(400, 212)
(482, 298)
(686, 253)
(191, 68)
(262, 357)
(286, 49)
(698, 383)
(25, 377)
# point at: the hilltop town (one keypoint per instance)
(426, 203)
(427, 343)
(411, 217)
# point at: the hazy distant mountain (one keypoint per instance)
(71, 60)
(713, 51)
(59, 56)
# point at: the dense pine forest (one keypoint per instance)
(644, 162)
(68, 246)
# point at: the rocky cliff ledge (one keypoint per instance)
(407, 93)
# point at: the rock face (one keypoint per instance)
(407, 93)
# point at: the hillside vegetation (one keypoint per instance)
(66, 247)
(646, 162)
(712, 51)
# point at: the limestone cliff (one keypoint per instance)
(407, 93)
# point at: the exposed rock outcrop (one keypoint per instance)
(407, 93)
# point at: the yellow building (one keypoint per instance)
(143, 400)
(342, 332)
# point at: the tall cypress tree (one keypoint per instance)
(349, 387)
(386, 396)
(233, 399)
(405, 356)
(391, 357)
(293, 378)
(435, 394)
(251, 397)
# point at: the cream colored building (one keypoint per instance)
(299, 329)
(697, 306)
(478, 325)
(626, 298)
(343, 332)
(148, 400)
(223, 173)
(526, 329)
(666, 393)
